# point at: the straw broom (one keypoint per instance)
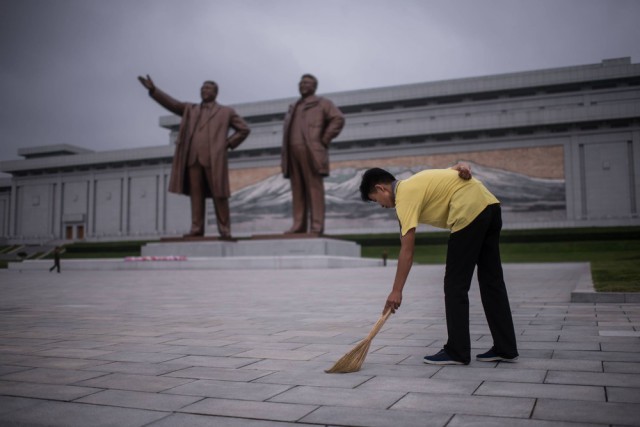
(353, 360)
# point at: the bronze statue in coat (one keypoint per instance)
(200, 164)
(309, 126)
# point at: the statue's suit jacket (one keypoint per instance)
(217, 123)
(322, 121)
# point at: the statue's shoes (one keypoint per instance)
(193, 235)
(294, 231)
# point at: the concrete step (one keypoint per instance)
(203, 263)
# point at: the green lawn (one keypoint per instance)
(615, 265)
(101, 249)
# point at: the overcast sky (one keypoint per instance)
(68, 68)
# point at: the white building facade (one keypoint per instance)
(559, 147)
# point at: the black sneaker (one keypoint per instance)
(441, 358)
(492, 356)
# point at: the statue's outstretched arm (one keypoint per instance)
(162, 98)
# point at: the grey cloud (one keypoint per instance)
(68, 67)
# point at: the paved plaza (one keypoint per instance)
(249, 348)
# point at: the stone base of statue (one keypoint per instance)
(212, 254)
(259, 247)
(198, 239)
(286, 236)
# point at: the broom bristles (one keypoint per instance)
(353, 360)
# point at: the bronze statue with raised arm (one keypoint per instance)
(309, 126)
(200, 166)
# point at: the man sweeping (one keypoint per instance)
(450, 198)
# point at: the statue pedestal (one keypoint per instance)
(300, 246)
(210, 254)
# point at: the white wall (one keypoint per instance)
(75, 199)
(143, 208)
(108, 206)
(5, 204)
(35, 209)
(607, 180)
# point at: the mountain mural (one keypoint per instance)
(265, 207)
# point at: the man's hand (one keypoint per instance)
(393, 302)
(464, 170)
(147, 82)
(405, 260)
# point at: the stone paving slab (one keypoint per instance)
(624, 395)
(138, 368)
(4, 370)
(626, 414)
(290, 365)
(44, 391)
(139, 400)
(222, 374)
(333, 396)
(281, 354)
(481, 421)
(550, 391)
(51, 376)
(623, 367)
(594, 378)
(249, 348)
(472, 405)
(492, 374)
(423, 385)
(11, 404)
(230, 390)
(604, 356)
(614, 346)
(214, 361)
(71, 414)
(188, 420)
(314, 378)
(133, 356)
(78, 353)
(252, 410)
(554, 365)
(134, 382)
(366, 417)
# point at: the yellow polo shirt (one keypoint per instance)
(439, 197)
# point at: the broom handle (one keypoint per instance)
(376, 328)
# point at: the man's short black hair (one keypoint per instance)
(210, 82)
(371, 178)
(312, 77)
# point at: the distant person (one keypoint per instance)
(309, 126)
(451, 199)
(56, 259)
(200, 166)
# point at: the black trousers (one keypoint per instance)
(477, 244)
